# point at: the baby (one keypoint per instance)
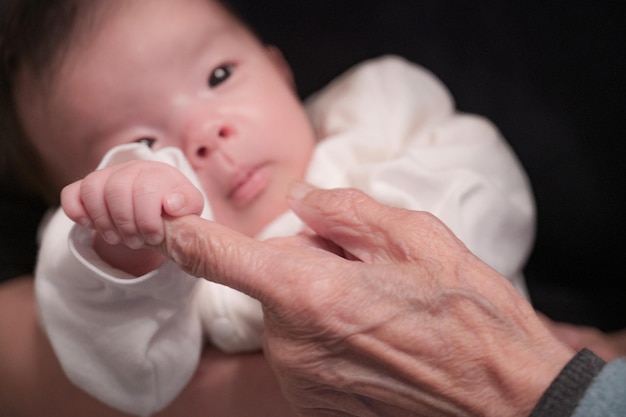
(220, 132)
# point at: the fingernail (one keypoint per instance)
(85, 222)
(111, 237)
(298, 190)
(134, 242)
(154, 239)
(174, 202)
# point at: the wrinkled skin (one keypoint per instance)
(379, 312)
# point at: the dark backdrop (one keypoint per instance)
(551, 75)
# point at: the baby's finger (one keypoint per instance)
(72, 205)
(162, 189)
(148, 212)
(93, 199)
(119, 191)
(183, 200)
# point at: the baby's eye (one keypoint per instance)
(149, 142)
(220, 74)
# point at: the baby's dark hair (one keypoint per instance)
(33, 35)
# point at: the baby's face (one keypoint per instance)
(180, 73)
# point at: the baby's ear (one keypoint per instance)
(277, 57)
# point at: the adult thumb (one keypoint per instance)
(361, 226)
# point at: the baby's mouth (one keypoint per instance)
(248, 184)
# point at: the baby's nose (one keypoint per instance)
(202, 142)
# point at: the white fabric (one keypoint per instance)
(387, 127)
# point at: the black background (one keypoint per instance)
(550, 74)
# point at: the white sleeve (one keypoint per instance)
(133, 343)
(390, 129)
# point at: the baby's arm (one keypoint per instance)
(124, 204)
(132, 343)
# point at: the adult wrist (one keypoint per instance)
(563, 395)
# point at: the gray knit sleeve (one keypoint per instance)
(564, 394)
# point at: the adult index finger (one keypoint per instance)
(209, 250)
(267, 272)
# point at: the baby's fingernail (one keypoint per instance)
(174, 202)
(154, 239)
(134, 242)
(110, 237)
(298, 190)
(85, 222)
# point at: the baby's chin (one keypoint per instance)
(253, 222)
(269, 208)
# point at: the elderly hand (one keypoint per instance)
(380, 311)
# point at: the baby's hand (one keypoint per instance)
(125, 203)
